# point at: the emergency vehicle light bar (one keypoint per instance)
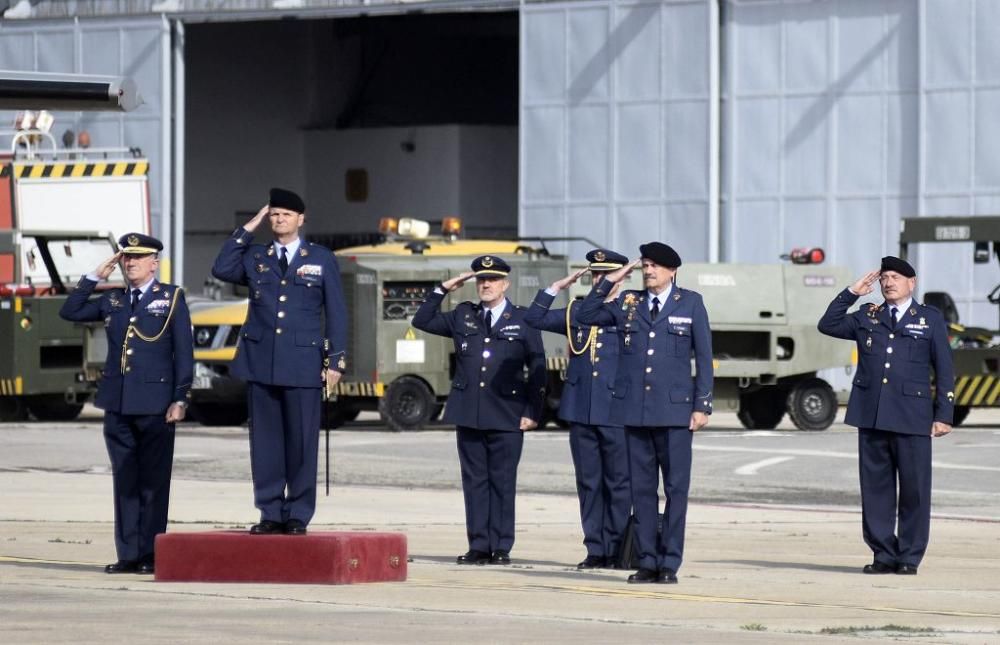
(43, 91)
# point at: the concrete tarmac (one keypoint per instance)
(752, 574)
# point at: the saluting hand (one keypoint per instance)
(564, 283)
(528, 424)
(940, 429)
(698, 421)
(106, 268)
(622, 273)
(457, 281)
(252, 225)
(864, 284)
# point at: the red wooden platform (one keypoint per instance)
(339, 557)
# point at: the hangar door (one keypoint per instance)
(615, 124)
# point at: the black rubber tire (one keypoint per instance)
(812, 404)
(12, 408)
(763, 409)
(960, 414)
(407, 404)
(218, 414)
(53, 408)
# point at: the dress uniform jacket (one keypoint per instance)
(654, 387)
(285, 340)
(489, 390)
(140, 376)
(892, 389)
(590, 377)
(148, 367)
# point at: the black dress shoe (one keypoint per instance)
(500, 557)
(267, 527)
(122, 566)
(643, 576)
(878, 567)
(906, 570)
(473, 557)
(667, 577)
(593, 562)
(146, 567)
(295, 527)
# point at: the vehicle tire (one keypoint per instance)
(407, 404)
(53, 408)
(12, 408)
(812, 404)
(218, 414)
(763, 409)
(961, 412)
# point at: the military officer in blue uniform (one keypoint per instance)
(895, 409)
(656, 398)
(491, 402)
(143, 390)
(600, 456)
(293, 340)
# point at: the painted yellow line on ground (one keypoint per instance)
(13, 558)
(660, 595)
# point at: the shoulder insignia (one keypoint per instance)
(303, 252)
(913, 312)
(677, 296)
(270, 251)
(506, 315)
(156, 288)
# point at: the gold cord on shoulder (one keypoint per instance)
(149, 339)
(569, 334)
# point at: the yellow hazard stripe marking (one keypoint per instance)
(3, 387)
(970, 390)
(18, 385)
(992, 398)
(726, 600)
(359, 389)
(81, 169)
(983, 390)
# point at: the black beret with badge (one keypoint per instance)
(660, 253)
(139, 244)
(605, 260)
(281, 198)
(902, 267)
(490, 266)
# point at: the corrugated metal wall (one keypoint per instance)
(135, 47)
(614, 123)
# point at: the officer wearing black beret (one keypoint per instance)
(655, 397)
(293, 340)
(143, 389)
(600, 456)
(491, 402)
(895, 409)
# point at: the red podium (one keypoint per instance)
(333, 558)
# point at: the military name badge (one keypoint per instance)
(314, 270)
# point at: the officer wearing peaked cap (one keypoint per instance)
(895, 409)
(293, 340)
(600, 456)
(143, 389)
(491, 402)
(655, 396)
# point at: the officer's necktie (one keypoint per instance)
(655, 311)
(283, 260)
(136, 294)
(893, 312)
(489, 319)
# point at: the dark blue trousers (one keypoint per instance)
(600, 458)
(489, 460)
(141, 449)
(655, 451)
(284, 448)
(895, 469)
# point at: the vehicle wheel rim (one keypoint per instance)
(813, 405)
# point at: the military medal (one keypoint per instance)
(261, 268)
(579, 335)
(465, 345)
(868, 343)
